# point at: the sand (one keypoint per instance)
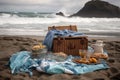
(11, 44)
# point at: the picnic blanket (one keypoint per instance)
(54, 67)
(22, 62)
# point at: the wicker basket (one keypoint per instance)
(69, 45)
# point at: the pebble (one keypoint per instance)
(111, 60)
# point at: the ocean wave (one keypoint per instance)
(5, 15)
(26, 24)
(22, 32)
(26, 14)
(15, 19)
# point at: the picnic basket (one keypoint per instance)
(69, 45)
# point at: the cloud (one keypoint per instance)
(66, 6)
(25, 1)
(115, 2)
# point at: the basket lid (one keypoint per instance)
(70, 27)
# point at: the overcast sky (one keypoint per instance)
(66, 6)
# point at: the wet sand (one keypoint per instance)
(11, 44)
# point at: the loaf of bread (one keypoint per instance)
(61, 54)
(38, 47)
(85, 61)
(99, 55)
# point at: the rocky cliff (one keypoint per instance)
(98, 8)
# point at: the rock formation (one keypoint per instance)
(98, 8)
(60, 14)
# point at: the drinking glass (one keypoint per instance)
(89, 53)
(82, 53)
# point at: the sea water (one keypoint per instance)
(24, 23)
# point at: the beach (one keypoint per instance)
(12, 44)
(24, 25)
